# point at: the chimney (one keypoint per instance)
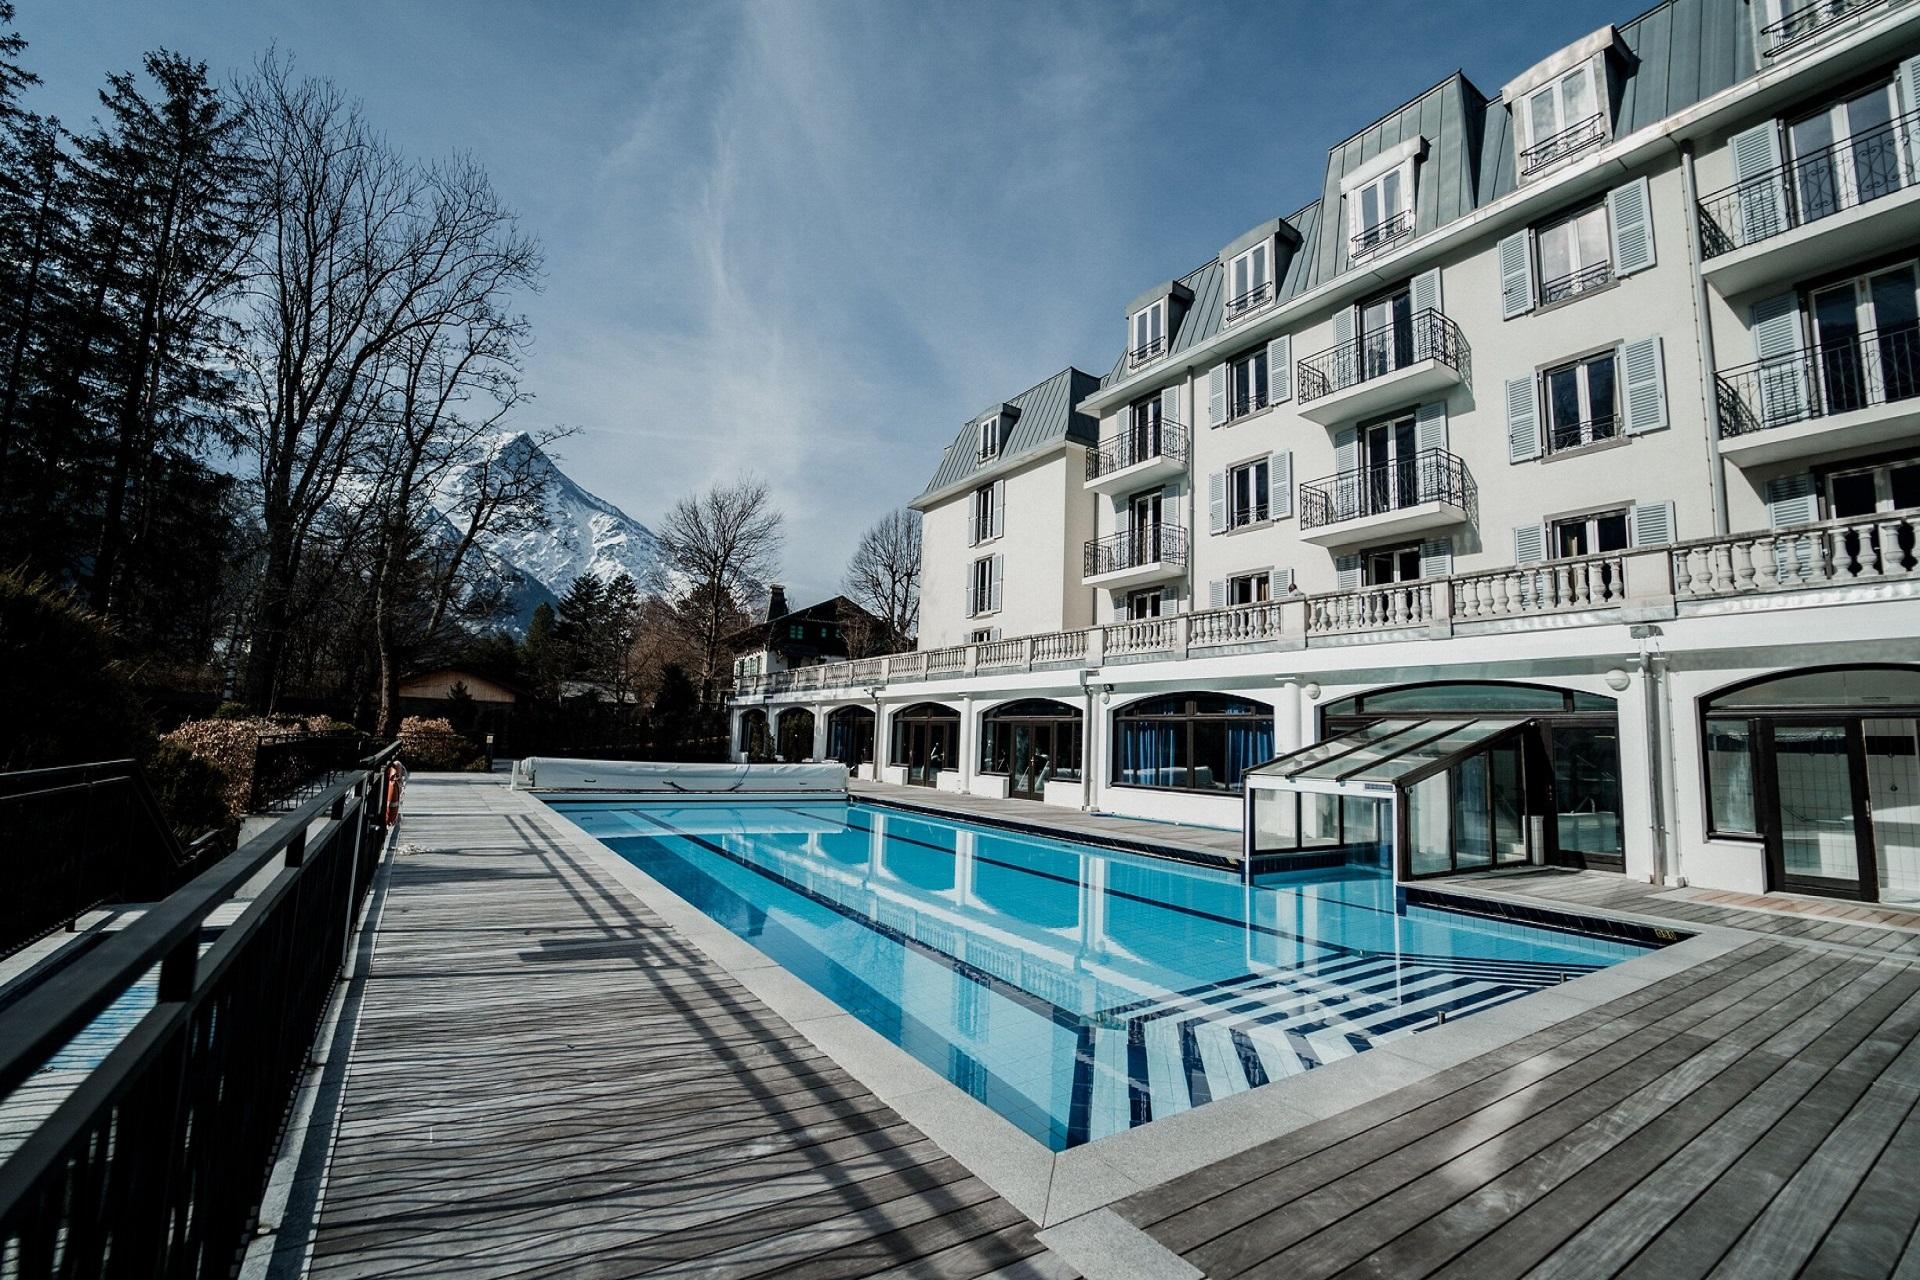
(776, 601)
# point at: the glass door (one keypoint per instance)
(1388, 456)
(1892, 748)
(1023, 776)
(1845, 154)
(1386, 334)
(1816, 833)
(1144, 521)
(1144, 439)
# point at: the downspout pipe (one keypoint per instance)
(1087, 752)
(1653, 673)
(1703, 335)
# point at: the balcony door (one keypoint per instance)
(1143, 523)
(1846, 154)
(1143, 431)
(1386, 334)
(1389, 467)
(1867, 334)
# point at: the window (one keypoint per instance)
(1033, 742)
(1247, 388)
(1562, 117)
(1247, 494)
(1250, 588)
(1582, 405)
(1590, 535)
(1864, 491)
(985, 516)
(1573, 255)
(1866, 335)
(988, 442)
(1143, 604)
(1148, 337)
(1846, 153)
(980, 587)
(1249, 281)
(1387, 565)
(983, 635)
(796, 632)
(1382, 210)
(1190, 741)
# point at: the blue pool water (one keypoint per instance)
(1075, 990)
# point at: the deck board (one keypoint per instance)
(545, 1080)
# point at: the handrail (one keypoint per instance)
(1384, 232)
(1135, 549)
(1431, 475)
(1875, 367)
(1163, 439)
(1577, 136)
(1427, 335)
(1575, 283)
(180, 1118)
(1146, 351)
(1253, 299)
(1778, 36)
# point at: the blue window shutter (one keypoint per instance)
(1782, 383)
(1346, 449)
(1217, 594)
(1436, 558)
(999, 507)
(1346, 572)
(1279, 583)
(1792, 500)
(1424, 291)
(1630, 218)
(1217, 502)
(1516, 275)
(1650, 524)
(1645, 382)
(994, 592)
(1280, 369)
(1529, 544)
(1343, 326)
(1170, 404)
(1909, 80)
(1523, 423)
(1430, 425)
(1761, 198)
(1217, 395)
(1280, 485)
(973, 601)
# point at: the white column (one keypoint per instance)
(734, 752)
(819, 731)
(1289, 729)
(968, 742)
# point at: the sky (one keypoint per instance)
(809, 239)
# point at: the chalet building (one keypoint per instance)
(1545, 490)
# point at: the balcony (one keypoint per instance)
(1572, 140)
(1431, 490)
(1393, 365)
(1146, 353)
(1842, 396)
(1249, 302)
(1811, 22)
(1135, 557)
(1849, 200)
(1573, 284)
(1387, 231)
(1137, 456)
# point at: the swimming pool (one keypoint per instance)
(1081, 991)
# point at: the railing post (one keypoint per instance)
(1649, 583)
(972, 663)
(1182, 635)
(1440, 602)
(1096, 652)
(1026, 653)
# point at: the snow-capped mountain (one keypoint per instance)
(584, 533)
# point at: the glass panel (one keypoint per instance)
(1576, 96)
(1897, 335)
(1586, 788)
(1893, 786)
(1814, 176)
(1466, 736)
(1544, 108)
(1876, 164)
(1570, 538)
(1593, 235)
(1903, 484)
(1600, 396)
(1556, 251)
(1360, 762)
(1306, 757)
(1610, 532)
(1467, 697)
(1856, 687)
(1319, 820)
(1506, 773)
(1563, 399)
(1815, 786)
(1429, 840)
(1852, 494)
(1276, 821)
(1367, 828)
(1472, 819)
(1836, 331)
(1150, 754)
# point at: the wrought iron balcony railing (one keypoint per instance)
(1252, 513)
(1576, 137)
(1137, 444)
(1239, 406)
(1380, 234)
(1875, 368)
(1252, 300)
(1426, 335)
(1146, 352)
(1873, 163)
(1575, 283)
(1777, 37)
(1135, 549)
(1431, 475)
(1562, 436)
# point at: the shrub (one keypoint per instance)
(68, 700)
(433, 746)
(230, 747)
(232, 711)
(192, 792)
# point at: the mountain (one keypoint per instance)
(584, 533)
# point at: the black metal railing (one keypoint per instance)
(1137, 444)
(1577, 435)
(1575, 283)
(1777, 37)
(1425, 335)
(1382, 233)
(155, 1164)
(84, 836)
(1873, 163)
(1576, 137)
(1135, 549)
(1252, 513)
(1875, 368)
(1239, 406)
(287, 767)
(1145, 352)
(1252, 300)
(1431, 475)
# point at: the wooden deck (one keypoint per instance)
(546, 1081)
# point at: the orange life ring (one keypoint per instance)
(393, 794)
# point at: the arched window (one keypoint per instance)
(850, 736)
(756, 742)
(796, 734)
(1467, 697)
(1033, 742)
(1190, 741)
(926, 739)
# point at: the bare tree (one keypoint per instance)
(883, 577)
(358, 252)
(721, 544)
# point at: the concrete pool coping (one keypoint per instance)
(1067, 1193)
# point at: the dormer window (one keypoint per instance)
(988, 438)
(1379, 196)
(1249, 281)
(1563, 116)
(1148, 338)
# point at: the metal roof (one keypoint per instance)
(1047, 417)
